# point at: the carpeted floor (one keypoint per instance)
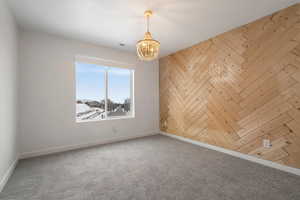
(155, 167)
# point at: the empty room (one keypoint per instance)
(150, 100)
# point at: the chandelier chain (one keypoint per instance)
(147, 23)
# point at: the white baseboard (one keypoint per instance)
(237, 154)
(81, 146)
(7, 174)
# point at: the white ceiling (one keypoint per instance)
(177, 24)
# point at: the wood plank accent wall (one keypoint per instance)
(239, 88)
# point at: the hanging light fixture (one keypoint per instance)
(148, 48)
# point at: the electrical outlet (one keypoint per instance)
(114, 129)
(267, 143)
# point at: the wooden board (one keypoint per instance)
(239, 88)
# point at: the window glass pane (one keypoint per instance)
(119, 96)
(90, 92)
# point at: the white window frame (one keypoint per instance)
(112, 64)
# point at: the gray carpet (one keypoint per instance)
(155, 167)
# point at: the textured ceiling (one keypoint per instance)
(177, 24)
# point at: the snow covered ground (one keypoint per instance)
(85, 113)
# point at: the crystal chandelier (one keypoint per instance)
(148, 48)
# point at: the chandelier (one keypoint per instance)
(148, 48)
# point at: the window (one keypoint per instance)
(103, 92)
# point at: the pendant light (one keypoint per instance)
(148, 48)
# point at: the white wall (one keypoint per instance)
(8, 91)
(47, 95)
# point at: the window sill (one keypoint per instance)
(108, 119)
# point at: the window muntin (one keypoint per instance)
(103, 92)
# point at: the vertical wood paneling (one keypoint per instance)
(239, 88)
